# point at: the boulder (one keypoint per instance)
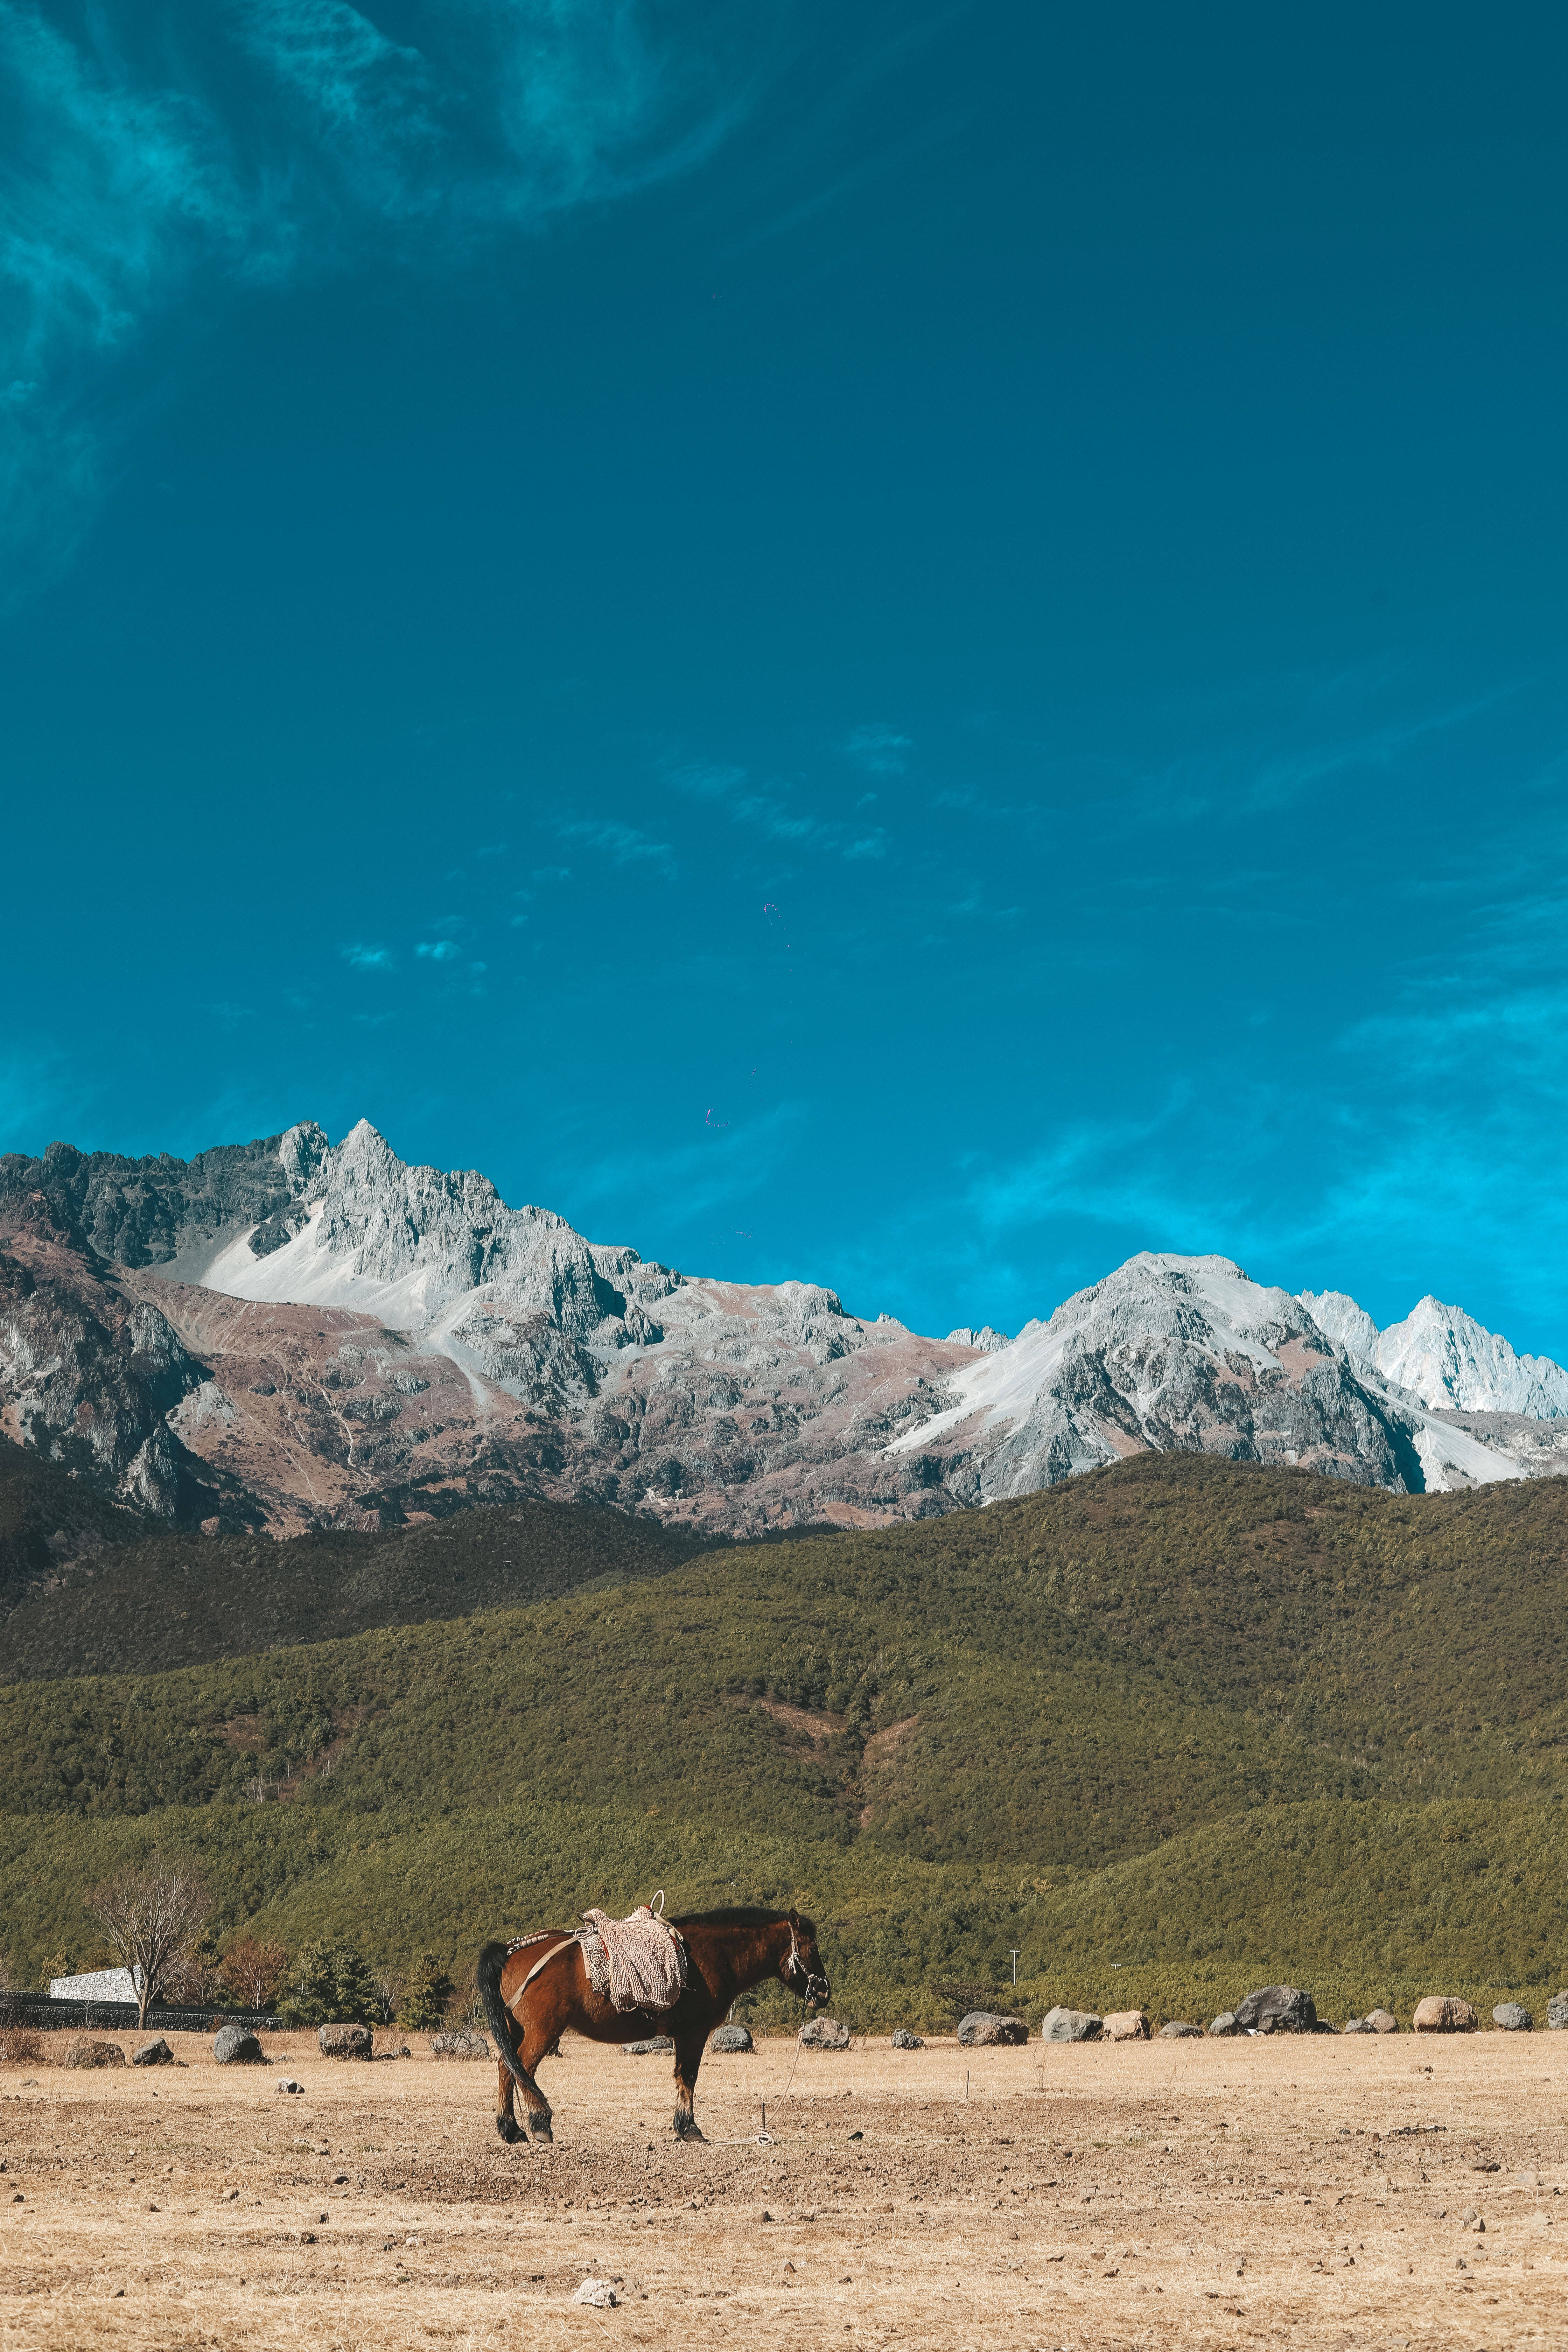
(1060, 2024)
(1359, 2025)
(153, 2054)
(287, 2083)
(1510, 2018)
(1276, 2009)
(85, 2051)
(648, 2048)
(1441, 2014)
(1382, 2020)
(235, 2046)
(599, 2294)
(984, 2029)
(823, 2033)
(458, 2042)
(1125, 2026)
(728, 2039)
(904, 2040)
(1176, 2030)
(1225, 2025)
(1557, 2010)
(346, 2040)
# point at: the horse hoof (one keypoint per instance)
(508, 2130)
(691, 2132)
(541, 2134)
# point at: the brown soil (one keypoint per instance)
(1311, 2193)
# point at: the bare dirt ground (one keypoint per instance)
(1314, 2192)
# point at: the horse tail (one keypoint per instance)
(491, 1961)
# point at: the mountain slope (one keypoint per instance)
(297, 1334)
(169, 1597)
(1444, 1358)
(1187, 1353)
(954, 1730)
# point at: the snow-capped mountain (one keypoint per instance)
(1444, 1357)
(1186, 1352)
(290, 1331)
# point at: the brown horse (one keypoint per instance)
(530, 2005)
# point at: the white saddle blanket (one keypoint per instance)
(636, 1963)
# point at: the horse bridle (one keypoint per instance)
(797, 1976)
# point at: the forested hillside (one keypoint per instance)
(1179, 1715)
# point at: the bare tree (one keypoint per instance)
(152, 1916)
(253, 1970)
(388, 1992)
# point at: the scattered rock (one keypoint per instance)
(904, 2040)
(1060, 2024)
(85, 2051)
(1557, 2010)
(154, 2054)
(1276, 2009)
(1440, 2013)
(346, 2040)
(1359, 2025)
(1511, 2018)
(459, 2041)
(1382, 2020)
(728, 2039)
(1125, 2026)
(1178, 2032)
(287, 2083)
(823, 2033)
(648, 2049)
(1225, 2025)
(235, 2046)
(983, 2029)
(597, 2294)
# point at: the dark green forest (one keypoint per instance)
(1169, 1730)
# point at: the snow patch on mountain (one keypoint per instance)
(350, 1327)
(1190, 1353)
(1445, 1358)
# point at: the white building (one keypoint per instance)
(102, 1984)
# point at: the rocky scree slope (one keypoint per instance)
(1187, 1354)
(300, 1334)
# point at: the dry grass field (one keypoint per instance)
(1315, 2193)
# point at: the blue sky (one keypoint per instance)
(918, 648)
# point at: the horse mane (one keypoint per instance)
(740, 1915)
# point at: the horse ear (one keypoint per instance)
(794, 1918)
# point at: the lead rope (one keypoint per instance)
(794, 1955)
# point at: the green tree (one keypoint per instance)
(427, 1994)
(332, 1984)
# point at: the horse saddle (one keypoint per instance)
(634, 1963)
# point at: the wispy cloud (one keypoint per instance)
(439, 951)
(361, 955)
(149, 167)
(708, 779)
(623, 843)
(880, 750)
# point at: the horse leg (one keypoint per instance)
(528, 2044)
(537, 2038)
(688, 2051)
(506, 2121)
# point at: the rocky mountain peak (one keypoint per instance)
(1444, 1358)
(293, 1328)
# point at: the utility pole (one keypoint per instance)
(1014, 1965)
